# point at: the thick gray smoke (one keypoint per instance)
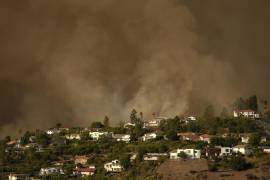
(76, 61)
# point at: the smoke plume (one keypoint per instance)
(76, 61)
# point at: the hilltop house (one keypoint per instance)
(265, 149)
(191, 153)
(189, 119)
(149, 136)
(154, 122)
(154, 156)
(243, 149)
(53, 131)
(188, 136)
(96, 135)
(113, 166)
(122, 137)
(205, 138)
(50, 171)
(248, 113)
(225, 151)
(73, 136)
(129, 125)
(18, 177)
(85, 171)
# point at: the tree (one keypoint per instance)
(106, 121)
(238, 163)
(252, 103)
(182, 155)
(58, 125)
(25, 137)
(172, 135)
(224, 113)
(97, 125)
(133, 116)
(125, 161)
(254, 139)
(239, 104)
(209, 112)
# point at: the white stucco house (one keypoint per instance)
(129, 124)
(243, 149)
(190, 119)
(191, 153)
(121, 137)
(85, 171)
(149, 136)
(113, 166)
(225, 151)
(154, 156)
(50, 171)
(18, 177)
(53, 131)
(73, 136)
(248, 113)
(154, 122)
(96, 135)
(205, 138)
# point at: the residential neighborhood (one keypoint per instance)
(101, 151)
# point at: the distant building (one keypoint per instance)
(81, 159)
(50, 171)
(154, 156)
(96, 135)
(154, 122)
(149, 136)
(73, 136)
(205, 138)
(188, 136)
(85, 171)
(113, 166)
(248, 113)
(265, 149)
(191, 153)
(53, 131)
(121, 137)
(245, 138)
(225, 151)
(189, 119)
(129, 125)
(243, 149)
(18, 177)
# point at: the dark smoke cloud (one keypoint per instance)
(76, 61)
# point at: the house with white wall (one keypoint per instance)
(18, 177)
(73, 136)
(149, 136)
(243, 149)
(50, 171)
(121, 137)
(53, 131)
(96, 135)
(191, 153)
(154, 122)
(113, 166)
(85, 171)
(247, 113)
(225, 151)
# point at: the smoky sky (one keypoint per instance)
(76, 61)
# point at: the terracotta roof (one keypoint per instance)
(205, 136)
(85, 169)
